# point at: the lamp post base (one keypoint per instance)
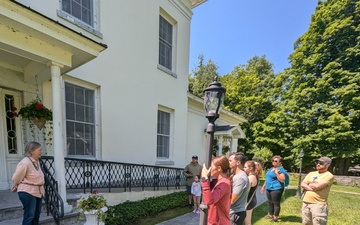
(203, 214)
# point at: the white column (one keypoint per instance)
(220, 144)
(234, 144)
(58, 132)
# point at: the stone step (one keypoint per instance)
(68, 219)
(11, 211)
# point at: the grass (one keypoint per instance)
(343, 208)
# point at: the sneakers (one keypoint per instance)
(190, 206)
(196, 211)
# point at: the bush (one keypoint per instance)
(130, 212)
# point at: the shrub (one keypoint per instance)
(130, 212)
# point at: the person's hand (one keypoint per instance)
(262, 190)
(205, 172)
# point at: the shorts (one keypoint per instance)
(316, 214)
(237, 218)
(188, 189)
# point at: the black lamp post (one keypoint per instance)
(301, 156)
(213, 100)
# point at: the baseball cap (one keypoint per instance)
(195, 157)
(324, 159)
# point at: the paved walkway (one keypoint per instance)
(194, 219)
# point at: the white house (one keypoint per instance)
(114, 73)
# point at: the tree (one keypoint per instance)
(203, 75)
(320, 109)
(248, 94)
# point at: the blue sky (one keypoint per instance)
(230, 32)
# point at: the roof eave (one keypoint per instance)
(195, 3)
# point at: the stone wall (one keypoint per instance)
(347, 180)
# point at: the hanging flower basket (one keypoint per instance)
(39, 122)
(35, 112)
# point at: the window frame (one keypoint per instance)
(167, 18)
(97, 140)
(165, 160)
(93, 28)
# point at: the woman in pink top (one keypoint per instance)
(217, 199)
(30, 183)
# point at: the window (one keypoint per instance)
(163, 134)
(80, 9)
(80, 120)
(165, 43)
(10, 124)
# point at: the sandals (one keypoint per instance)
(268, 217)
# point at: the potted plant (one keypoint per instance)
(35, 112)
(93, 207)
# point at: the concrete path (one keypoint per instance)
(194, 219)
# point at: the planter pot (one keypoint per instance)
(39, 122)
(91, 217)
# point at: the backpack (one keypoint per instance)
(287, 179)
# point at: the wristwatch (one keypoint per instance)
(204, 178)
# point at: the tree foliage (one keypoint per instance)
(320, 110)
(313, 105)
(248, 89)
(203, 75)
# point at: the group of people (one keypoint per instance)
(228, 187)
(233, 197)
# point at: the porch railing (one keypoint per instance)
(88, 175)
(53, 201)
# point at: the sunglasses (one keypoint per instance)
(320, 163)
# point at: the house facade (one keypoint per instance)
(115, 75)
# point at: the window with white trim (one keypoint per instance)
(80, 120)
(83, 10)
(165, 43)
(163, 135)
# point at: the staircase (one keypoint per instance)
(11, 212)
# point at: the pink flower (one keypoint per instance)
(39, 106)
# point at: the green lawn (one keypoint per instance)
(343, 208)
(344, 204)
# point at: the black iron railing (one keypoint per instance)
(88, 175)
(53, 201)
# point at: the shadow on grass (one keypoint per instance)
(287, 199)
(294, 219)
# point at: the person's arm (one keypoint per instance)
(263, 188)
(212, 197)
(238, 187)
(19, 173)
(320, 185)
(234, 198)
(305, 184)
(280, 176)
(252, 180)
(186, 172)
